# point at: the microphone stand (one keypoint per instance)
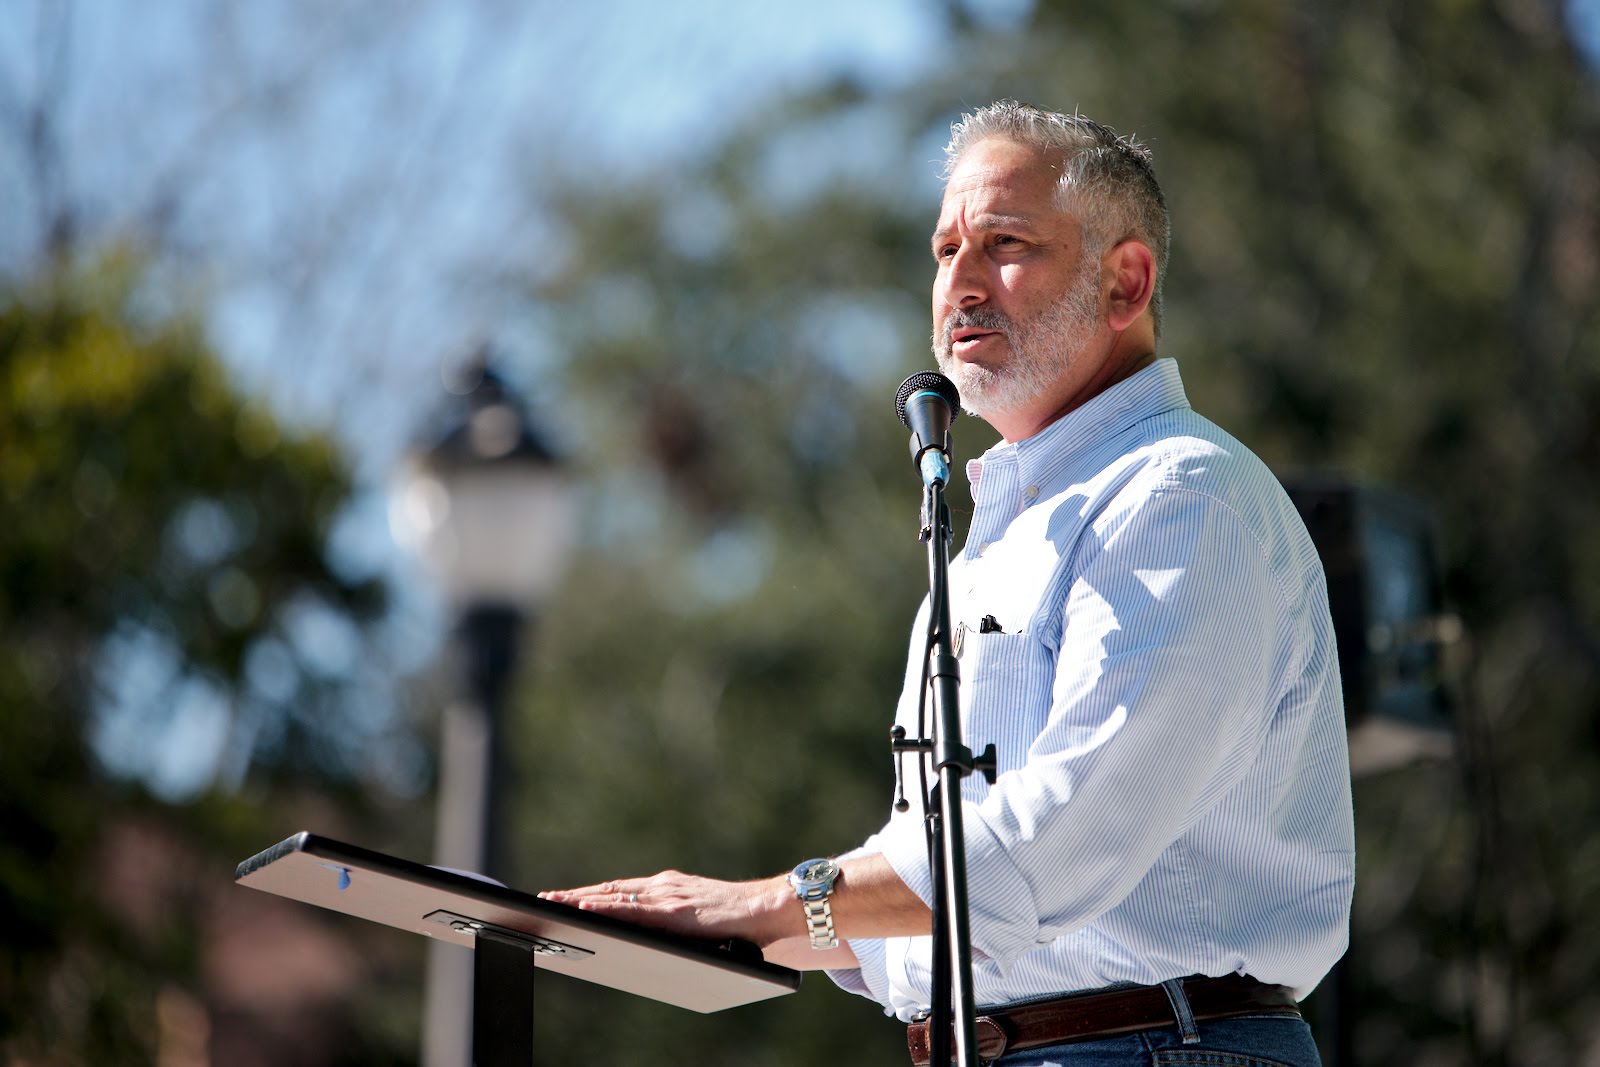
(952, 1015)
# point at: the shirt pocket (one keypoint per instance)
(1005, 696)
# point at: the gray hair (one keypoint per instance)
(1107, 181)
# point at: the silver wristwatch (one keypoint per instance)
(813, 884)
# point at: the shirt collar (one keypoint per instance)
(1155, 390)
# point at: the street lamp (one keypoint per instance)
(489, 510)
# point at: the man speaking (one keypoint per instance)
(1163, 866)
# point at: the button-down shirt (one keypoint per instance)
(1159, 677)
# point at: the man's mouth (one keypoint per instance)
(969, 338)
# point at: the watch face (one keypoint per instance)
(816, 872)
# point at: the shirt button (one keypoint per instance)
(1031, 493)
(983, 546)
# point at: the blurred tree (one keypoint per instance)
(161, 550)
(1385, 262)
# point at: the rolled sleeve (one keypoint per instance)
(1004, 917)
(870, 977)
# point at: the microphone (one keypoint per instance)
(928, 403)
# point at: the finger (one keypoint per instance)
(571, 896)
(627, 892)
(609, 906)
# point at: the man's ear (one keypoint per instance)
(1131, 268)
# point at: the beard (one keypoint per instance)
(1042, 349)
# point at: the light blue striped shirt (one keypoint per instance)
(1174, 790)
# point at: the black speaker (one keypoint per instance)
(1377, 547)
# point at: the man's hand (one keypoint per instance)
(869, 900)
(764, 912)
(694, 906)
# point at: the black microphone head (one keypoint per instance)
(927, 381)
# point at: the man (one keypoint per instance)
(1144, 635)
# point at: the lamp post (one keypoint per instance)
(489, 510)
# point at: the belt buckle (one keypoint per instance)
(992, 1035)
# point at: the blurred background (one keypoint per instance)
(284, 285)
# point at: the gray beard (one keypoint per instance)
(1041, 350)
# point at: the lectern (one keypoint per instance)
(513, 933)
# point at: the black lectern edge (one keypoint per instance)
(734, 955)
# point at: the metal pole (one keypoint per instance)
(468, 831)
(490, 634)
(953, 762)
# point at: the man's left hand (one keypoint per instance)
(763, 912)
(693, 906)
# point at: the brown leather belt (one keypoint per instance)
(1118, 1011)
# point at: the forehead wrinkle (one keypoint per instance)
(988, 221)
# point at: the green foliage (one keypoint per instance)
(142, 496)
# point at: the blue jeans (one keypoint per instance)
(1266, 1040)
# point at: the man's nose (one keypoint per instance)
(962, 282)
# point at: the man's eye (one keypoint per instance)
(944, 251)
(1006, 239)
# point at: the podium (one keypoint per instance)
(513, 934)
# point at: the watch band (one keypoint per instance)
(819, 923)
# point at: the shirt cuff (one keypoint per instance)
(870, 979)
(1003, 912)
